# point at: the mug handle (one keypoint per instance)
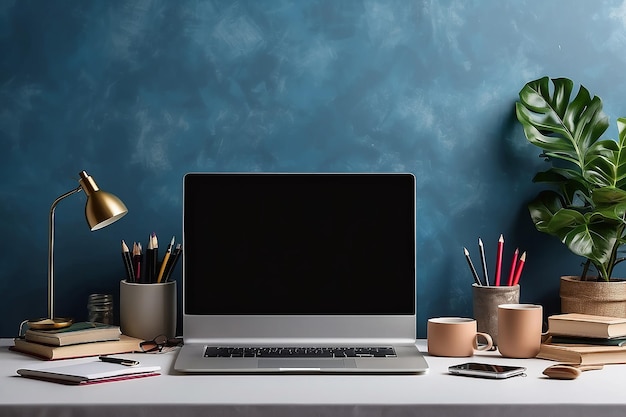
(487, 338)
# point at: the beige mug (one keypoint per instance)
(519, 330)
(455, 337)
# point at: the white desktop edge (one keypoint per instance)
(436, 393)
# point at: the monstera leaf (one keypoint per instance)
(563, 129)
(587, 212)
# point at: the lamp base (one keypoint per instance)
(50, 323)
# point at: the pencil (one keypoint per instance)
(513, 263)
(520, 266)
(166, 258)
(150, 262)
(137, 261)
(171, 264)
(499, 260)
(481, 248)
(471, 265)
(155, 261)
(128, 262)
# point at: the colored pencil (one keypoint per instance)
(520, 266)
(483, 261)
(471, 265)
(513, 264)
(155, 261)
(171, 264)
(499, 260)
(137, 261)
(128, 263)
(150, 268)
(166, 258)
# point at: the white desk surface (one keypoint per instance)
(436, 393)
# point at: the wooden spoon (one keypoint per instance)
(565, 371)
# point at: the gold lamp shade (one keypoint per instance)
(101, 210)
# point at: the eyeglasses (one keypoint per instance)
(161, 343)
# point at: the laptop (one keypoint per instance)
(299, 273)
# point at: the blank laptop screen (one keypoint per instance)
(299, 244)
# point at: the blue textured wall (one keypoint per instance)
(139, 92)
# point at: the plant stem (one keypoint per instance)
(583, 275)
(613, 259)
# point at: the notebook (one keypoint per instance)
(85, 373)
(299, 272)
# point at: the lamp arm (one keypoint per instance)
(51, 250)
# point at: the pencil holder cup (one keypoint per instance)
(148, 310)
(485, 302)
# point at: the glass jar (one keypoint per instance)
(100, 308)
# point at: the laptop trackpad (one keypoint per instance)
(303, 364)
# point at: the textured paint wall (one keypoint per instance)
(139, 92)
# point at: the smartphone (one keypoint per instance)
(486, 370)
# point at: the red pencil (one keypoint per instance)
(520, 266)
(499, 259)
(513, 263)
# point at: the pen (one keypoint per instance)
(471, 265)
(119, 361)
(483, 261)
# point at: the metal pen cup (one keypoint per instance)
(485, 302)
(148, 310)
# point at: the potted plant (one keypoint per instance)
(585, 204)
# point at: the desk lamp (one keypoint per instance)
(101, 210)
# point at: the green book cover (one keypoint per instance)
(75, 327)
(80, 332)
(573, 340)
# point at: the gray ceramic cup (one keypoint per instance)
(148, 310)
(486, 300)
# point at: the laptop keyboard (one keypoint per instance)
(298, 352)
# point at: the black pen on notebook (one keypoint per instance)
(119, 361)
(471, 265)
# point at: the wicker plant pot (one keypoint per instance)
(591, 297)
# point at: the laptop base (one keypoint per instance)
(408, 359)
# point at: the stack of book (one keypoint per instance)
(78, 340)
(584, 339)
